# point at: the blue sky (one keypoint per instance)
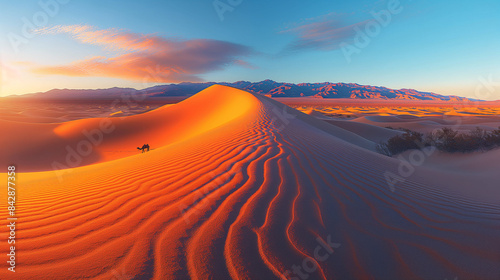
(447, 47)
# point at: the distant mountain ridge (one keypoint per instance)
(267, 87)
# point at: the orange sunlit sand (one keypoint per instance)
(391, 108)
(240, 186)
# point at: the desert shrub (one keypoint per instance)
(493, 138)
(445, 139)
(402, 142)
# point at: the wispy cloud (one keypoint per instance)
(322, 33)
(145, 57)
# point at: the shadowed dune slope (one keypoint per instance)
(371, 132)
(253, 192)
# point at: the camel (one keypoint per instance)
(145, 148)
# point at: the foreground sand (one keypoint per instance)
(246, 189)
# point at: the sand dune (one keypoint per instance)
(428, 124)
(245, 188)
(400, 108)
(44, 144)
(315, 114)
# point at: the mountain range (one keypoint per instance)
(268, 88)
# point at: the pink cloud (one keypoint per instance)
(323, 33)
(148, 58)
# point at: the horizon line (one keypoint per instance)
(213, 82)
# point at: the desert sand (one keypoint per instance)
(239, 186)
